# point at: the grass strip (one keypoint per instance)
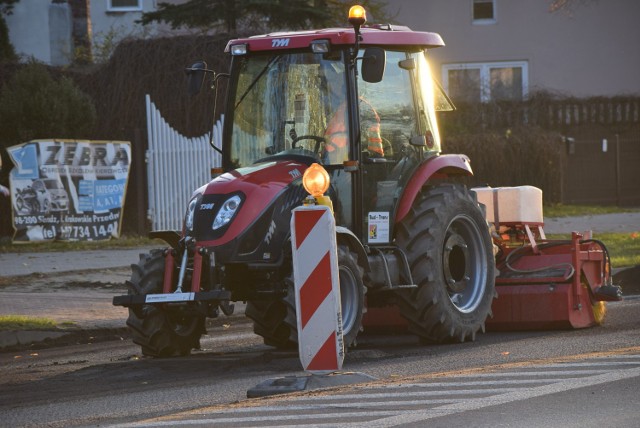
(561, 210)
(19, 322)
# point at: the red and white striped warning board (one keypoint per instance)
(317, 289)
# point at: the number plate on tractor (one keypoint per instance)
(173, 297)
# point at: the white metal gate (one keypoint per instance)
(176, 166)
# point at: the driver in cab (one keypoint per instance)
(337, 135)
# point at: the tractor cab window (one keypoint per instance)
(283, 104)
(398, 130)
(399, 107)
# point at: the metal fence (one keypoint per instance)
(546, 113)
(176, 166)
(602, 171)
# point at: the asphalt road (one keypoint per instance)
(502, 377)
(586, 392)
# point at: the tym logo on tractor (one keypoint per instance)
(358, 106)
(279, 43)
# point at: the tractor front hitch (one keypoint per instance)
(158, 299)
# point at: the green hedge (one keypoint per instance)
(523, 155)
(34, 105)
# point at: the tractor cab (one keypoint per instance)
(365, 111)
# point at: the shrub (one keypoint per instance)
(524, 155)
(34, 105)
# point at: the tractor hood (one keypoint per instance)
(255, 192)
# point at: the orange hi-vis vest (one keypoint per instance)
(374, 140)
(336, 135)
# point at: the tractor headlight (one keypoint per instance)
(227, 212)
(191, 210)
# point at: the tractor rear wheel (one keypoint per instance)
(450, 252)
(160, 333)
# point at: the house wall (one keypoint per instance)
(41, 30)
(591, 51)
(108, 27)
(44, 30)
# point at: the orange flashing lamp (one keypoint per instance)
(316, 181)
(357, 15)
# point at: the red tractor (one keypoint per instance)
(362, 103)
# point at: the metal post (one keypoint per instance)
(618, 175)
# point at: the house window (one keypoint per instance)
(484, 11)
(484, 82)
(124, 5)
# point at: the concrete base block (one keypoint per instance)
(289, 384)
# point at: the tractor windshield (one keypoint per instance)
(282, 104)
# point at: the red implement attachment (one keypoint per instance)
(549, 284)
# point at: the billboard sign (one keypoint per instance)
(68, 189)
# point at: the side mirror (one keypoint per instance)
(373, 64)
(418, 141)
(195, 77)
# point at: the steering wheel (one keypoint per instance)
(317, 139)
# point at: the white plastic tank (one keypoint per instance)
(522, 204)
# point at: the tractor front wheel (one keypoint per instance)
(268, 321)
(276, 320)
(160, 333)
(351, 294)
(450, 252)
(352, 291)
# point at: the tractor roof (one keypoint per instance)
(379, 35)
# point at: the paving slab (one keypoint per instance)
(15, 264)
(602, 223)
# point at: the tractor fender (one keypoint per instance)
(349, 238)
(441, 166)
(171, 237)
